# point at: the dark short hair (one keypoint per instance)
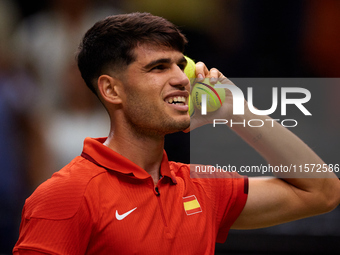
(110, 43)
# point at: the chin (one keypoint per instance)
(181, 126)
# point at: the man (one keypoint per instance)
(122, 196)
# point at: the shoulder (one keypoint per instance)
(204, 173)
(177, 166)
(60, 196)
(180, 170)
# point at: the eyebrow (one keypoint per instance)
(163, 61)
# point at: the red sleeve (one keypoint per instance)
(54, 236)
(57, 218)
(27, 252)
(234, 208)
(228, 195)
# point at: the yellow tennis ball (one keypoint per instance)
(215, 96)
(190, 69)
(191, 107)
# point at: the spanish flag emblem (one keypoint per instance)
(191, 205)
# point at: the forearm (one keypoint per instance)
(279, 146)
(275, 143)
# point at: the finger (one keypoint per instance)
(201, 71)
(225, 80)
(214, 75)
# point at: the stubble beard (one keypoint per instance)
(146, 121)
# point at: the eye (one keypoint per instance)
(159, 67)
(182, 66)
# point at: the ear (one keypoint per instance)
(109, 89)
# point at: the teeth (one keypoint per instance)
(176, 99)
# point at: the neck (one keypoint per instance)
(145, 151)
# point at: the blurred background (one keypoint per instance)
(46, 110)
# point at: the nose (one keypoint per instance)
(179, 78)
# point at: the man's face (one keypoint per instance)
(156, 91)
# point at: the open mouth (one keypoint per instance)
(177, 100)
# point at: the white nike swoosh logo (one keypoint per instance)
(122, 216)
